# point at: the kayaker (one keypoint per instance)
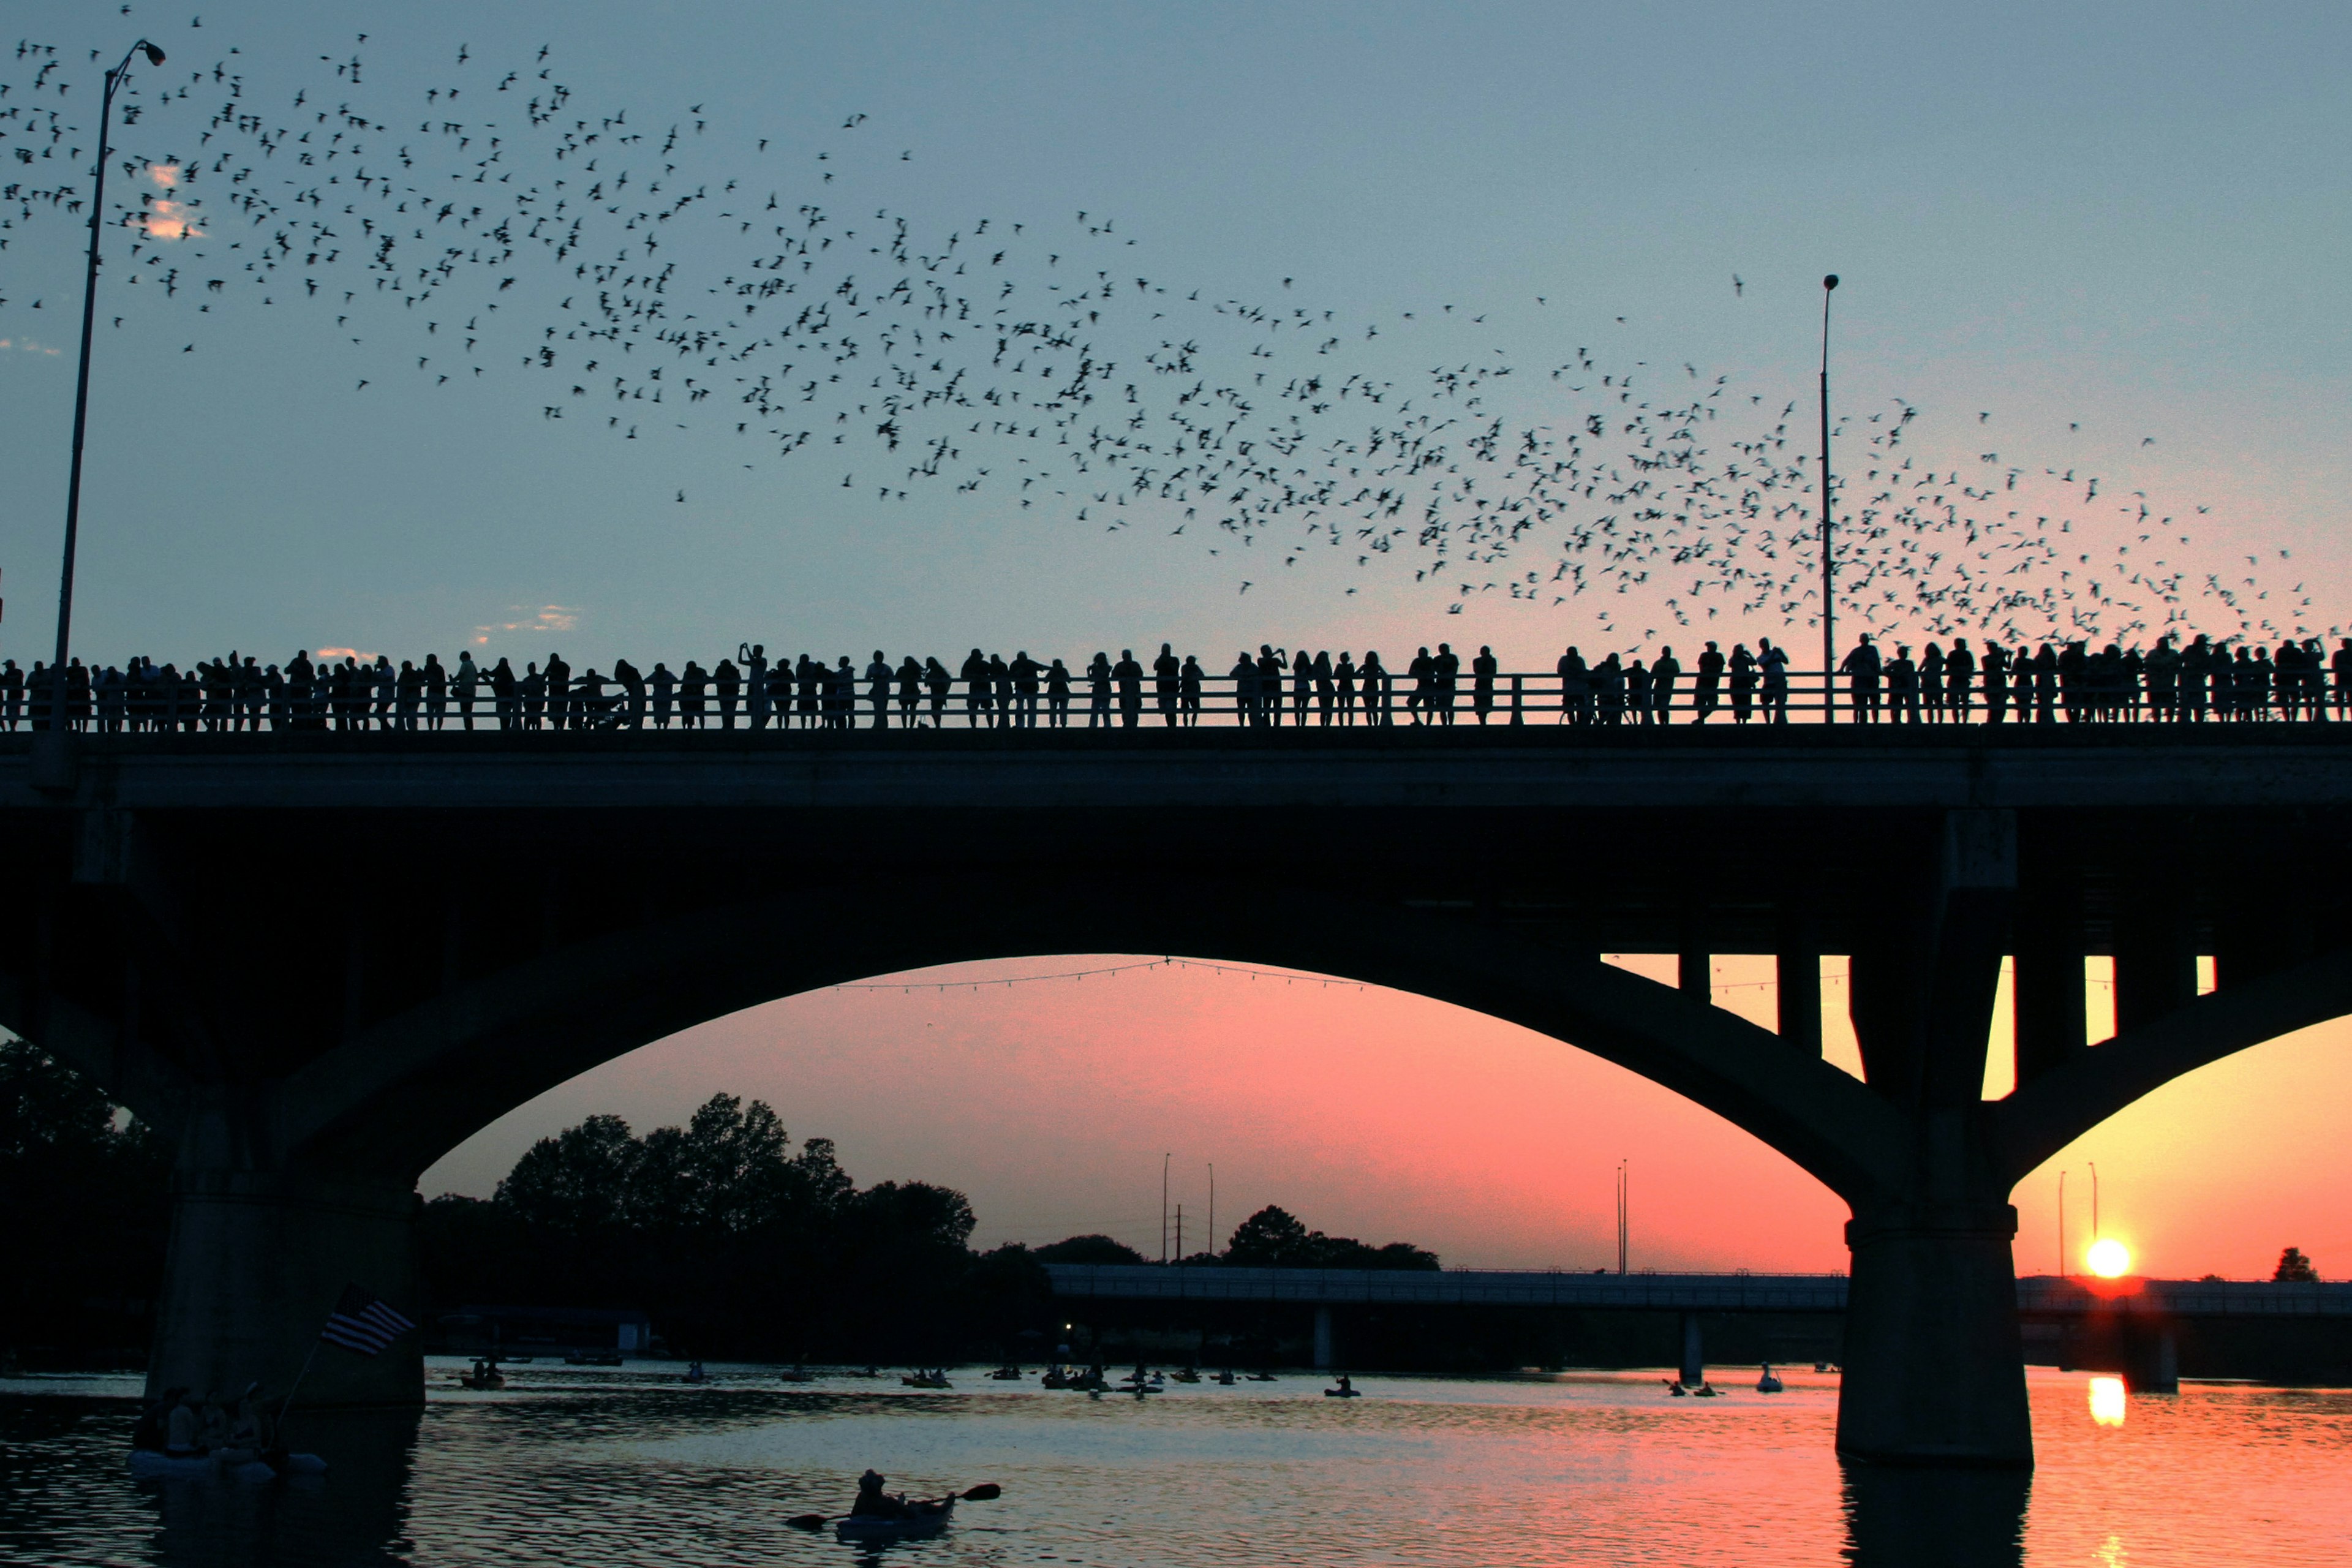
(252, 1427)
(148, 1434)
(873, 1502)
(181, 1428)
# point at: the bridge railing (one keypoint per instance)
(1611, 700)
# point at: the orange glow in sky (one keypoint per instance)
(1387, 1116)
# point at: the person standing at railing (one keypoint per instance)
(1025, 673)
(436, 691)
(1326, 687)
(663, 685)
(1861, 668)
(11, 694)
(1302, 685)
(2045, 685)
(1423, 672)
(1057, 695)
(1641, 695)
(1000, 678)
(1960, 677)
(1189, 681)
(1608, 684)
(1448, 674)
(1099, 690)
(1996, 682)
(937, 682)
(1482, 682)
(1743, 681)
(1128, 675)
(1343, 687)
(978, 695)
(1374, 678)
(1901, 687)
(1665, 671)
(1575, 688)
(1931, 683)
(1270, 666)
(910, 690)
(1705, 697)
(1243, 675)
(2340, 666)
(555, 682)
(877, 690)
(1167, 673)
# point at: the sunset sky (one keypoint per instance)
(2102, 240)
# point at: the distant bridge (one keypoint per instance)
(2037, 1296)
(317, 962)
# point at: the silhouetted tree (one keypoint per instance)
(86, 1191)
(1274, 1238)
(1088, 1249)
(2293, 1266)
(732, 1240)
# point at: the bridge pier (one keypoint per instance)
(1326, 1353)
(1694, 1367)
(1935, 1365)
(258, 1258)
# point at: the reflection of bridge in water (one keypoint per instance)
(2132, 1326)
(319, 961)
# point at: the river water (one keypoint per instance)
(632, 1466)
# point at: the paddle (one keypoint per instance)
(987, 1491)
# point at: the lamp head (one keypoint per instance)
(1830, 281)
(154, 55)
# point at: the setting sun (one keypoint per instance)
(2109, 1258)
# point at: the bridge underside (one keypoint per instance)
(320, 971)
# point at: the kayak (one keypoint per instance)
(148, 1464)
(924, 1518)
(1343, 1393)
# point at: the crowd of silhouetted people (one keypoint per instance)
(2070, 682)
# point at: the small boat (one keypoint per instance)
(1189, 1374)
(1263, 1377)
(694, 1372)
(922, 1519)
(1704, 1391)
(1008, 1373)
(1226, 1379)
(1767, 1383)
(1678, 1390)
(150, 1464)
(927, 1380)
(485, 1375)
(1347, 1390)
(798, 1375)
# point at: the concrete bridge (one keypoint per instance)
(319, 962)
(2130, 1325)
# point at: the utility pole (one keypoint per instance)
(1829, 561)
(1213, 1208)
(2062, 1224)
(1180, 1233)
(1163, 1206)
(59, 719)
(1623, 1193)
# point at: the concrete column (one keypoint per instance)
(2048, 945)
(1798, 968)
(1935, 1366)
(1326, 1353)
(2156, 962)
(1695, 974)
(258, 1257)
(1694, 1367)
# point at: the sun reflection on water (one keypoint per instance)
(2107, 1401)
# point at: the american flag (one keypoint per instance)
(361, 1322)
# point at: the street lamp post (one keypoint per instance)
(1828, 564)
(59, 717)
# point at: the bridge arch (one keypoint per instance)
(387, 1103)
